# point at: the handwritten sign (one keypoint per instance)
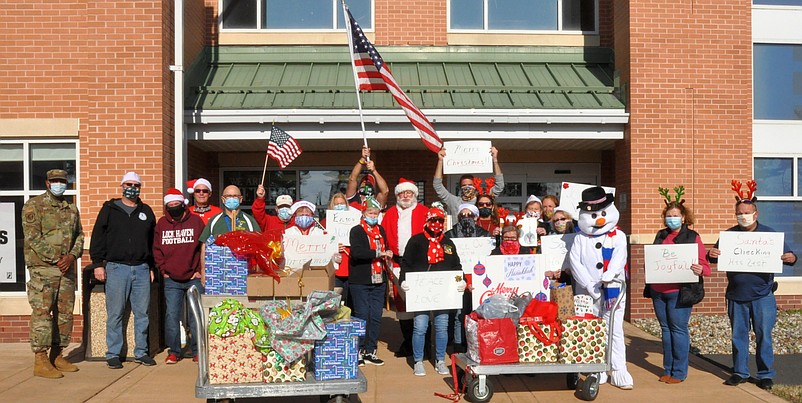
(339, 224)
(472, 250)
(508, 275)
(466, 157)
(670, 263)
(757, 252)
(315, 250)
(528, 231)
(8, 244)
(433, 290)
(571, 195)
(555, 250)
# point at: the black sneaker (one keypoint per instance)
(361, 361)
(372, 358)
(114, 363)
(735, 380)
(765, 383)
(145, 360)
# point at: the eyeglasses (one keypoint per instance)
(469, 215)
(203, 191)
(406, 193)
(561, 219)
(135, 185)
(437, 220)
(484, 204)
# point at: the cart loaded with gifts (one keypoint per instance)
(281, 346)
(535, 335)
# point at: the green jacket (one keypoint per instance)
(52, 228)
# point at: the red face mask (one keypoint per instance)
(435, 227)
(510, 247)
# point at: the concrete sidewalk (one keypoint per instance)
(393, 382)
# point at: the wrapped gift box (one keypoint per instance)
(531, 349)
(584, 340)
(337, 356)
(275, 369)
(225, 273)
(234, 360)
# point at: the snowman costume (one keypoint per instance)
(598, 264)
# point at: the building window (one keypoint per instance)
(296, 15)
(779, 192)
(523, 15)
(23, 165)
(777, 2)
(778, 81)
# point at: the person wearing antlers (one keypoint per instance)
(672, 312)
(468, 184)
(750, 297)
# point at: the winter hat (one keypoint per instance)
(192, 184)
(468, 206)
(131, 177)
(283, 200)
(406, 184)
(371, 202)
(533, 198)
(172, 195)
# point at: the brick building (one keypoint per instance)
(630, 94)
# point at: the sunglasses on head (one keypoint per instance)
(128, 185)
(203, 191)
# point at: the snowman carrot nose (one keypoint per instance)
(600, 221)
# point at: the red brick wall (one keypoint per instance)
(15, 329)
(411, 22)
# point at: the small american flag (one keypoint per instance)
(373, 75)
(282, 147)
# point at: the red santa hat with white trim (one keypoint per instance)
(192, 184)
(174, 194)
(406, 184)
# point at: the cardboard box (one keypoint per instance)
(337, 356)
(225, 274)
(316, 279)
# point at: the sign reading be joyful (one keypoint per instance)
(757, 252)
(670, 263)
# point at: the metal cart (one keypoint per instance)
(332, 390)
(479, 389)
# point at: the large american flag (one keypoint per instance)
(373, 74)
(282, 147)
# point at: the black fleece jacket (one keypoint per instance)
(122, 238)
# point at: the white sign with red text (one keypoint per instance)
(316, 250)
(508, 275)
(757, 252)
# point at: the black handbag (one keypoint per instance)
(692, 293)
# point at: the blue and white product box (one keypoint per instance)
(337, 356)
(225, 274)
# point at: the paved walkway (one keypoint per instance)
(392, 382)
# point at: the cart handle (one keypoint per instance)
(195, 305)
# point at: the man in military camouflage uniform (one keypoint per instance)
(54, 240)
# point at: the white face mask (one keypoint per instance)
(745, 220)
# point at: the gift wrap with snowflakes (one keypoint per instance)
(275, 369)
(531, 349)
(584, 340)
(337, 356)
(234, 359)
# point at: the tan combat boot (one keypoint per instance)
(42, 367)
(63, 365)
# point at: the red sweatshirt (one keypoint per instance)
(176, 246)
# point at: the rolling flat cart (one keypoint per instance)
(329, 391)
(478, 389)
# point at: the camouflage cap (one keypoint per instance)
(56, 174)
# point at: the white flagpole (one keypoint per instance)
(353, 69)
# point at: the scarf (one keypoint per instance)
(510, 247)
(376, 242)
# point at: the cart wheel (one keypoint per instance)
(571, 380)
(472, 392)
(589, 388)
(334, 399)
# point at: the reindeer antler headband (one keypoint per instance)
(679, 190)
(747, 195)
(484, 191)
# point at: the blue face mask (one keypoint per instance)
(372, 220)
(341, 207)
(57, 188)
(232, 203)
(304, 221)
(673, 222)
(284, 213)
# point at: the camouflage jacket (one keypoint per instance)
(52, 228)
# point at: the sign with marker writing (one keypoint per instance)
(8, 243)
(670, 263)
(472, 251)
(508, 275)
(757, 252)
(467, 157)
(433, 290)
(339, 224)
(555, 250)
(316, 250)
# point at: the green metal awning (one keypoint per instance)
(456, 77)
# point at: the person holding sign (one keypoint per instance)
(468, 190)
(430, 251)
(672, 315)
(342, 257)
(534, 209)
(367, 276)
(750, 298)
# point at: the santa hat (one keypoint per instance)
(406, 184)
(131, 177)
(302, 203)
(192, 184)
(172, 195)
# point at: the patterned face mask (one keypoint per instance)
(304, 221)
(468, 192)
(131, 193)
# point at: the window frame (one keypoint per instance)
(260, 17)
(486, 30)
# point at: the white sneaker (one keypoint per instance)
(419, 370)
(441, 368)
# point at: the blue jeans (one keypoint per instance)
(125, 282)
(421, 323)
(175, 294)
(368, 305)
(673, 320)
(759, 315)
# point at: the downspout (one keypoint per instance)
(177, 68)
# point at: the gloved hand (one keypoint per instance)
(595, 290)
(404, 286)
(461, 286)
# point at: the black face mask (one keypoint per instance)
(468, 225)
(176, 212)
(485, 212)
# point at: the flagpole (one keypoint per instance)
(353, 69)
(267, 157)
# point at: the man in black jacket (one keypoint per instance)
(121, 251)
